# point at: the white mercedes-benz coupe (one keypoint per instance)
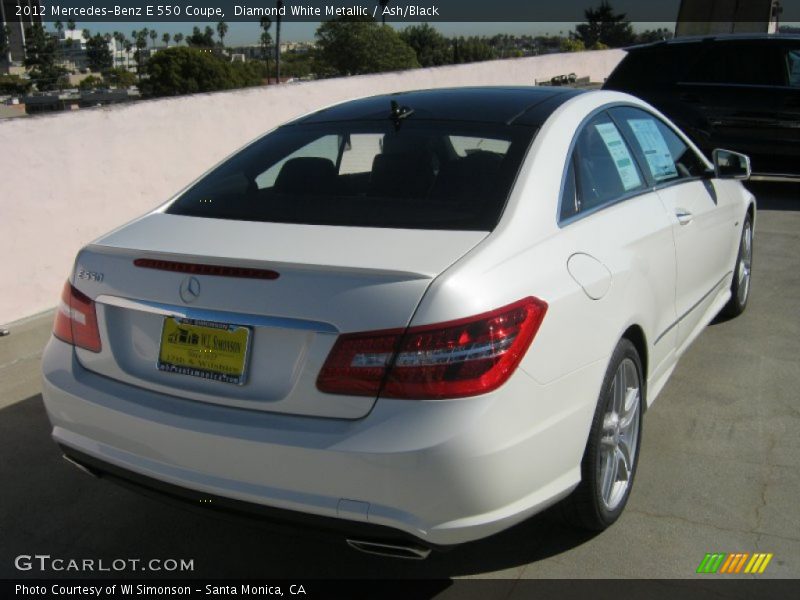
(420, 317)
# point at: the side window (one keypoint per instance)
(601, 169)
(665, 155)
(326, 147)
(793, 68)
(464, 146)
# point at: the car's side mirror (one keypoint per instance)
(730, 165)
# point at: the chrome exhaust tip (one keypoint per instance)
(80, 466)
(390, 550)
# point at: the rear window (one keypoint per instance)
(738, 63)
(420, 175)
(652, 67)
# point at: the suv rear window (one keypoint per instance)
(738, 63)
(651, 67)
(420, 175)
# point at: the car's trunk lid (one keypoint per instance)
(331, 280)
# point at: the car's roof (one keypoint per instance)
(721, 37)
(507, 105)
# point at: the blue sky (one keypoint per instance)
(248, 33)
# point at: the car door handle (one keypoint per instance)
(684, 216)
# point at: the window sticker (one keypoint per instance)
(619, 153)
(655, 148)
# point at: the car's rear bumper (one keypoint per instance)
(441, 472)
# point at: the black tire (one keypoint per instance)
(585, 507)
(740, 290)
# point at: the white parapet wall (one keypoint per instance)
(69, 177)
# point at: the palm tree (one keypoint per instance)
(166, 38)
(279, 5)
(383, 6)
(71, 26)
(128, 47)
(119, 40)
(178, 37)
(153, 36)
(266, 40)
(141, 44)
(222, 29)
(5, 46)
(86, 34)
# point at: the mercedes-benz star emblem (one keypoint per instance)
(189, 290)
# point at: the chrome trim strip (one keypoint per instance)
(694, 306)
(776, 177)
(217, 316)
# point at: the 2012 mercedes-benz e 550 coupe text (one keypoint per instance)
(420, 318)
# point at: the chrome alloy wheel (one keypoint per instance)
(745, 261)
(620, 436)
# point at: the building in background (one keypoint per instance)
(12, 30)
(709, 17)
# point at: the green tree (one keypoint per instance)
(572, 45)
(653, 35)
(473, 49)
(41, 56)
(98, 54)
(91, 82)
(14, 85)
(119, 77)
(178, 37)
(200, 39)
(357, 45)
(430, 46)
(297, 64)
(186, 70)
(166, 38)
(605, 26)
(222, 31)
(153, 37)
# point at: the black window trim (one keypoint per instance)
(651, 184)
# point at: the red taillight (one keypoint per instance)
(76, 320)
(448, 360)
(198, 269)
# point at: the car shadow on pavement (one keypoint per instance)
(50, 507)
(775, 196)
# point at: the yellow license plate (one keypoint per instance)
(216, 351)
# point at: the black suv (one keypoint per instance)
(739, 92)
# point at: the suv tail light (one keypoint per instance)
(448, 360)
(76, 320)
